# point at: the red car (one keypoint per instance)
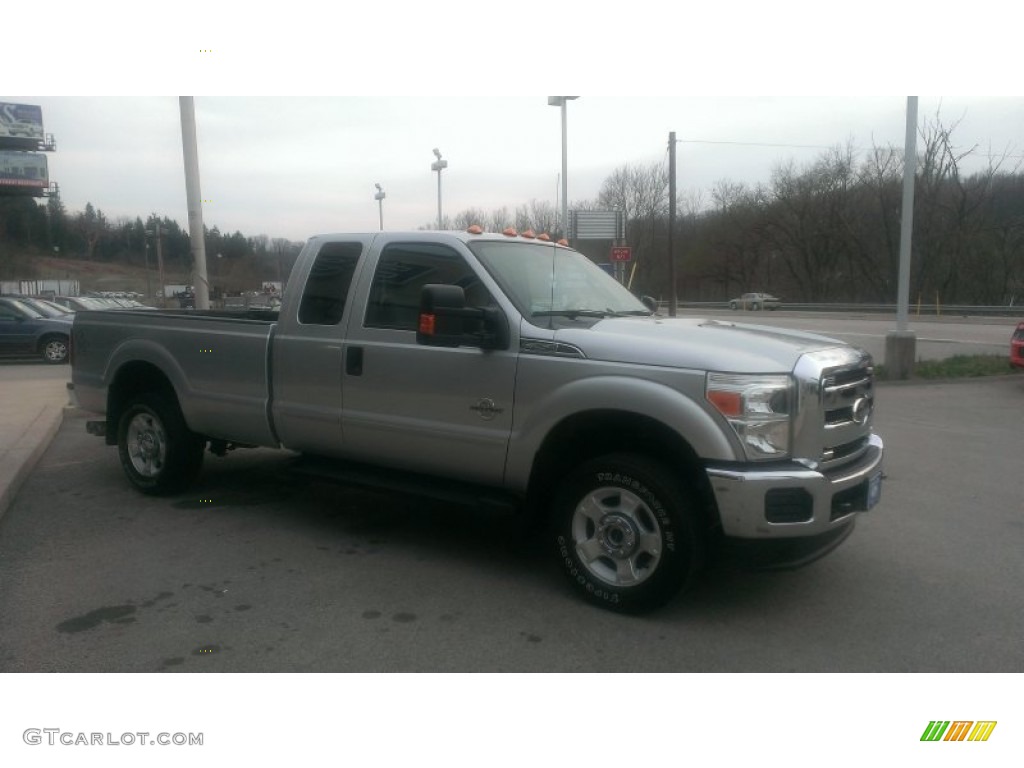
(1017, 346)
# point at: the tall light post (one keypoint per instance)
(560, 101)
(379, 197)
(438, 165)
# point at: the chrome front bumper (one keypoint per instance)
(814, 502)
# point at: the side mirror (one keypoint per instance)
(650, 302)
(446, 321)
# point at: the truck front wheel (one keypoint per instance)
(626, 532)
(159, 453)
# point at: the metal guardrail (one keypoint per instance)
(932, 310)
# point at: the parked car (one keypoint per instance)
(755, 301)
(81, 303)
(1017, 347)
(45, 307)
(25, 331)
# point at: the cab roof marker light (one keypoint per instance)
(528, 234)
(544, 236)
(509, 232)
(563, 241)
(475, 229)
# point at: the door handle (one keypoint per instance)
(354, 361)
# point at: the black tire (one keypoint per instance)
(732, 306)
(54, 349)
(755, 307)
(626, 532)
(159, 454)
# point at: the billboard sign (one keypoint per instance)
(21, 121)
(26, 171)
(597, 225)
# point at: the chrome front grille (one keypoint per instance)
(848, 402)
(837, 403)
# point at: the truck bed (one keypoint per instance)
(217, 360)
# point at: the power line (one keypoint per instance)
(817, 146)
(755, 144)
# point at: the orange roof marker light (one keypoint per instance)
(475, 229)
(563, 241)
(528, 234)
(509, 232)
(544, 236)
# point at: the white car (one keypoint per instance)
(755, 301)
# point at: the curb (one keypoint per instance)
(21, 459)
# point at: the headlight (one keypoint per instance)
(758, 408)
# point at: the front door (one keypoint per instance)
(428, 409)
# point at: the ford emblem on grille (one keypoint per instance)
(862, 410)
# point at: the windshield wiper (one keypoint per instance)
(572, 314)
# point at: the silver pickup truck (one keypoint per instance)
(505, 368)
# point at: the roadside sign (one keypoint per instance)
(622, 253)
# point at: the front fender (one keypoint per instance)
(539, 411)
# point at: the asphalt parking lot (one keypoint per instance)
(256, 570)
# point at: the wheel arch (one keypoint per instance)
(590, 434)
(133, 379)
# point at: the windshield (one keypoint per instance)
(89, 303)
(29, 311)
(545, 280)
(46, 309)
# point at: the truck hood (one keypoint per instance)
(709, 345)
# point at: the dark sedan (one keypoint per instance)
(25, 331)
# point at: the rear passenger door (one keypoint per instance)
(307, 353)
(445, 411)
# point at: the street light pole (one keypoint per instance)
(560, 101)
(379, 197)
(438, 166)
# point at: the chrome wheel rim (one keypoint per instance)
(147, 444)
(55, 350)
(616, 536)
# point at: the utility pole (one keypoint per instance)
(145, 252)
(901, 344)
(160, 258)
(193, 195)
(672, 222)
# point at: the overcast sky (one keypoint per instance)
(295, 165)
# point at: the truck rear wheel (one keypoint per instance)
(626, 532)
(159, 453)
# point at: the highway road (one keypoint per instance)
(937, 337)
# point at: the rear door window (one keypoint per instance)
(330, 280)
